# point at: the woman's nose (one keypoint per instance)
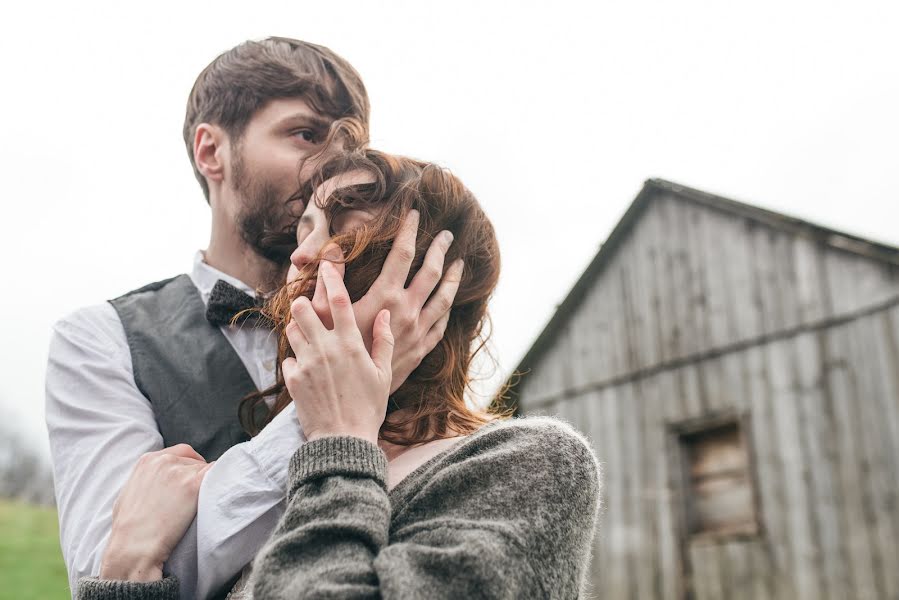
(308, 249)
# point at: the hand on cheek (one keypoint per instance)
(338, 387)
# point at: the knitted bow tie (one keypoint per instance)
(226, 302)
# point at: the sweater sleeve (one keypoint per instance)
(510, 515)
(92, 588)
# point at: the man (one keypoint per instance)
(163, 365)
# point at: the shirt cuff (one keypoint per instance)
(275, 444)
(93, 588)
(337, 455)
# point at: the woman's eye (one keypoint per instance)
(349, 220)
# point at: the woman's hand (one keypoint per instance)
(337, 387)
(152, 512)
(419, 313)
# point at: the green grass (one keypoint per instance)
(31, 566)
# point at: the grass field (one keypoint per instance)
(31, 566)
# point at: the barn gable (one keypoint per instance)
(687, 274)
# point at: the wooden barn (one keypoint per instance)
(737, 371)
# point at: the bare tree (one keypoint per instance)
(24, 474)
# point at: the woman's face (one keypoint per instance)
(314, 228)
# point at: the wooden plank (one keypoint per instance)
(697, 285)
(785, 281)
(851, 462)
(877, 481)
(806, 260)
(706, 559)
(610, 347)
(753, 386)
(816, 438)
(616, 524)
(673, 411)
(716, 256)
(744, 316)
(782, 368)
(674, 307)
(596, 426)
(738, 575)
(884, 368)
(652, 433)
(647, 290)
(655, 311)
(771, 472)
(662, 317)
(688, 387)
(592, 357)
(871, 281)
(632, 475)
(660, 408)
(629, 338)
(684, 339)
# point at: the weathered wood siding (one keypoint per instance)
(699, 312)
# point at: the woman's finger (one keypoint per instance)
(382, 344)
(290, 370)
(304, 316)
(431, 270)
(402, 252)
(435, 333)
(338, 299)
(334, 254)
(442, 300)
(320, 301)
(296, 338)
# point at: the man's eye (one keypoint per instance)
(307, 135)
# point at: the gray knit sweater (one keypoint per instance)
(508, 512)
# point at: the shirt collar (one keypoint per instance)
(205, 276)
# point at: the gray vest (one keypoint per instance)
(185, 366)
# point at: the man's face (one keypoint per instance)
(269, 164)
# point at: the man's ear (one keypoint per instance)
(210, 151)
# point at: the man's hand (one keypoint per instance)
(152, 512)
(418, 324)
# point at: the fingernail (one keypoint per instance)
(448, 237)
(460, 264)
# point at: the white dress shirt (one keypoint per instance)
(99, 424)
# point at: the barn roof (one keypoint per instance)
(653, 188)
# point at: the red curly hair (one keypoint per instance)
(433, 396)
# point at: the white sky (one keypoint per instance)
(553, 113)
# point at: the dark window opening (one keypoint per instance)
(719, 497)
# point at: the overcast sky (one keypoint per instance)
(552, 113)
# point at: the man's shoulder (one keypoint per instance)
(97, 321)
(177, 280)
(102, 319)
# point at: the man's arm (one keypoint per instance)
(241, 499)
(99, 425)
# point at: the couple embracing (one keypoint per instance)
(289, 419)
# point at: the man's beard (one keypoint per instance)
(265, 220)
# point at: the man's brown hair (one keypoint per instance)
(242, 80)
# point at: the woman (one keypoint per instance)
(412, 494)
